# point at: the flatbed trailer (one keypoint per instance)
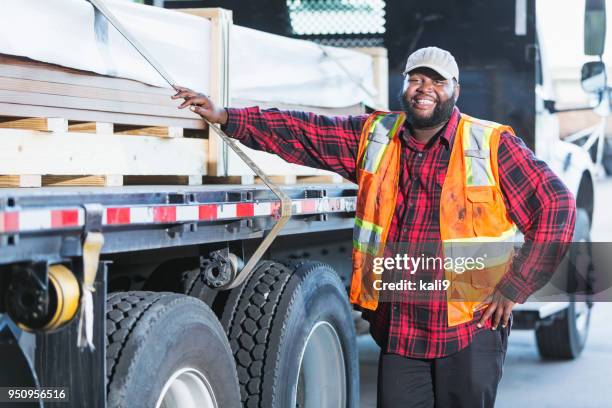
(49, 222)
(150, 234)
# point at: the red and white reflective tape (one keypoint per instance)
(42, 220)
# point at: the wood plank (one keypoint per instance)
(119, 129)
(221, 23)
(89, 92)
(105, 105)
(170, 131)
(278, 179)
(25, 110)
(101, 128)
(58, 181)
(30, 152)
(322, 179)
(42, 124)
(229, 180)
(24, 68)
(284, 179)
(20, 181)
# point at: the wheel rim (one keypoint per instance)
(581, 312)
(321, 378)
(187, 388)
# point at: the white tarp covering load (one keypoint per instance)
(263, 67)
(69, 33)
(267, 67)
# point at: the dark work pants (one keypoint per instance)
(466, 379)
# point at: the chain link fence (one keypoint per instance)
(343, 23)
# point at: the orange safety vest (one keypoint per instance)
(473, 217)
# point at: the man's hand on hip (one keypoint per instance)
(200, 104)
(499, 310)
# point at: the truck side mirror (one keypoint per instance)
(594, 27)
(594, 77)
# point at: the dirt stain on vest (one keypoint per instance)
(461, 213)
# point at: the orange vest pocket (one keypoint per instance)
(485, 212)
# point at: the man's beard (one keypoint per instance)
(441, 114)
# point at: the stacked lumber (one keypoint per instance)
(60, 126)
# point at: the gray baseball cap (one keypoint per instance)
(435, 58)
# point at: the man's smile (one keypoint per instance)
(423, 103)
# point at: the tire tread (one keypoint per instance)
(123, 311)
(250, 325)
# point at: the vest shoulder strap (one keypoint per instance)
(381, 126)
(380, 129)
(480, 140)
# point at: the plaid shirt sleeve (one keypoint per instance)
(542, 208)
(324, 142)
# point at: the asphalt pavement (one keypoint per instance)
(528, 381)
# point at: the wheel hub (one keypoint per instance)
(187, 388)
(322, 373)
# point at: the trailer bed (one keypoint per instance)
(48, 222)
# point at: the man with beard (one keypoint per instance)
(429, 174)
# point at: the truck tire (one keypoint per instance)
(166, 348)
(292, 335)
(565, 337)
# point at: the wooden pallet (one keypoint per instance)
(37, 152)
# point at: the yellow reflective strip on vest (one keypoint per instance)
(366, 236)
(390, 135)
(372, 127)
(365, 248)
(378, 158)
(367, 225)
(505, 236)
(486, 145)
(490, 253)
(381, 134)
(467, 143)
(477, 154)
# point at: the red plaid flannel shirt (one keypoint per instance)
(537, 201)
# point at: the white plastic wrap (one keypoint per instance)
(263, 67)
(67, 33)
(268, 67)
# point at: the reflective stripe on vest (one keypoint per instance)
(381, 132)
(476, 150)
(367, 236)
